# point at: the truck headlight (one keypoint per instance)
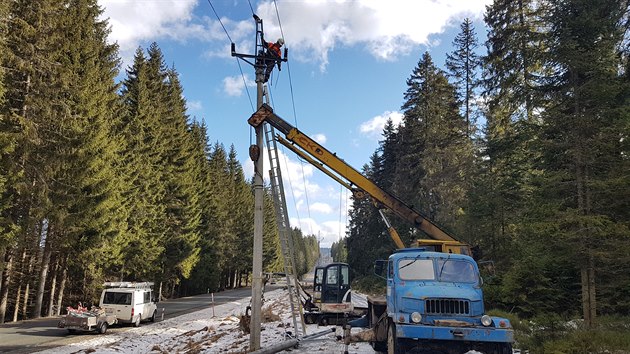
(416, 317)
(486, 320)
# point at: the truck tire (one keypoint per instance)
(379, 346)
(393, 347)
(309, 319)
(103, 328)
(153, 316)
(504, 348)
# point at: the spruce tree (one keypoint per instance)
(183, 210)
(240, 208)
(581, 141)
(437, 154)
(143, 173)
(463, 64)
(367, 234)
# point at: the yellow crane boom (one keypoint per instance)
(327, 162)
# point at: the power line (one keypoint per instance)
(288, 65)
(292, 98)
(278, 15)
(251, 103)
(250, 6)
(308, 207)
(238, 62)
(217, 15)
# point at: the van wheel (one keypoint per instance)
(153, 316)
(103, 328)
(136, 323)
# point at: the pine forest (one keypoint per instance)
(518, 144)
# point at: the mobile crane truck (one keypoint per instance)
(434, 301)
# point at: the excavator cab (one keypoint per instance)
(331, 283)
(335, 283)
(332, 297)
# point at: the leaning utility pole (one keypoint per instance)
(255, 153)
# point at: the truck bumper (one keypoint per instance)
(465, 334)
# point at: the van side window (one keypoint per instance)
(116, 298)
(147, 297)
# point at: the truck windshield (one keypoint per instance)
(114, 298)
(416, 269)
(456, 271)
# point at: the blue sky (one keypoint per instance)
(348, 65)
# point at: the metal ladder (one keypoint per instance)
(284, 230)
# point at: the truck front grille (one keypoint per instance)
(447, 307)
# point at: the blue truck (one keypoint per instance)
(434, 301)
(434, 304)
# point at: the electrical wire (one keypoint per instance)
(250, 6)
(308, 208)
(217, 15)
(278, 15)
(251, 103)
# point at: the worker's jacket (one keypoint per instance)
(273, 49)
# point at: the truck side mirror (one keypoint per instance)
(380, 268)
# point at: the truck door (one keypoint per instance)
(336, 283)
(390, 285)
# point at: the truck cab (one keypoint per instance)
(434, 301)
(131, 302)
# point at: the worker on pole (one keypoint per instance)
(268, 57)
(272, 55)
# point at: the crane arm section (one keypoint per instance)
(310, 147)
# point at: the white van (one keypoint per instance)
(131, 302)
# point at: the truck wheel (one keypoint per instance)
(379, 346)
(393, 346)
(136, 323)
(103, 328)
(504, 348)
(309, 319)
(323, 321)
(153, 316)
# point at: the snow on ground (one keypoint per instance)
(211, 331)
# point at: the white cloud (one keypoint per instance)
(322, 208)
(234, 85)
(374, 127)
(326, 232)
(194, 105)
(133, 21)
(312, 28)
(386, 28)
(296, 177)
(320, 138)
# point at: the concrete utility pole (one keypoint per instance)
(255, 153)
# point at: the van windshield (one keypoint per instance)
(115, 298)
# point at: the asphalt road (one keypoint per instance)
(35, 335)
